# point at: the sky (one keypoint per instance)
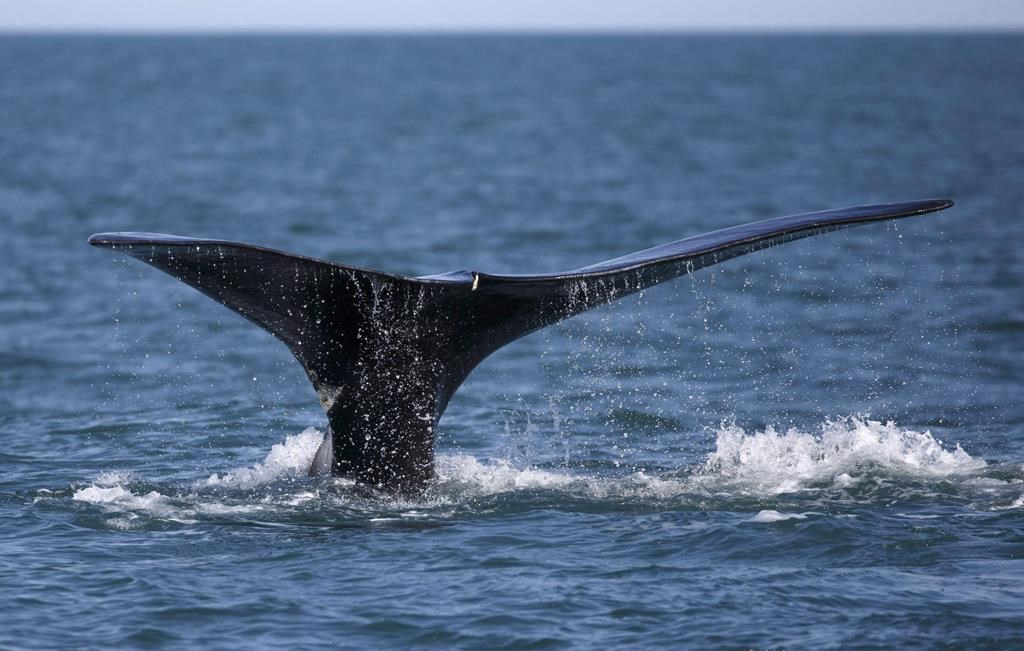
(508, 15)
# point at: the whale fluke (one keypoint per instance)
(386, 352)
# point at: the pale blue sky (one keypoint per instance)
(329, 15)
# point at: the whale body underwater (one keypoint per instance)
(386, 352)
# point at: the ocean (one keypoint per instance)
(819, 445)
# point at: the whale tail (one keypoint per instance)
(386, 352)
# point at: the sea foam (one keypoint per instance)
(761, 463)
(290, 458)
(771, 462)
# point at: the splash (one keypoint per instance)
(291, 458)
(765, 463)
(842, 454)
(464, 473)
(131, 505)
(109, 488)
(768, 462)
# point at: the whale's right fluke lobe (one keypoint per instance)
(542, 299)
(386, 352)
(637, 271)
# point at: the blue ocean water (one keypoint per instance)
(817, 445)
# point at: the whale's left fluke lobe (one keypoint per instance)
(386, 352)
(378, 348)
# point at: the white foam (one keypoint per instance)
(121, 500)
(769, 462)
(108, 488)
(761, 463)
(291, 458)
(130, 505)
(498, 476)
(841, 455)
(770, 515)
(119, 496)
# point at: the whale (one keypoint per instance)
(385, 353)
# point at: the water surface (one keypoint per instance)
(817, 445)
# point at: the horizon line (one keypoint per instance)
(511, 31)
